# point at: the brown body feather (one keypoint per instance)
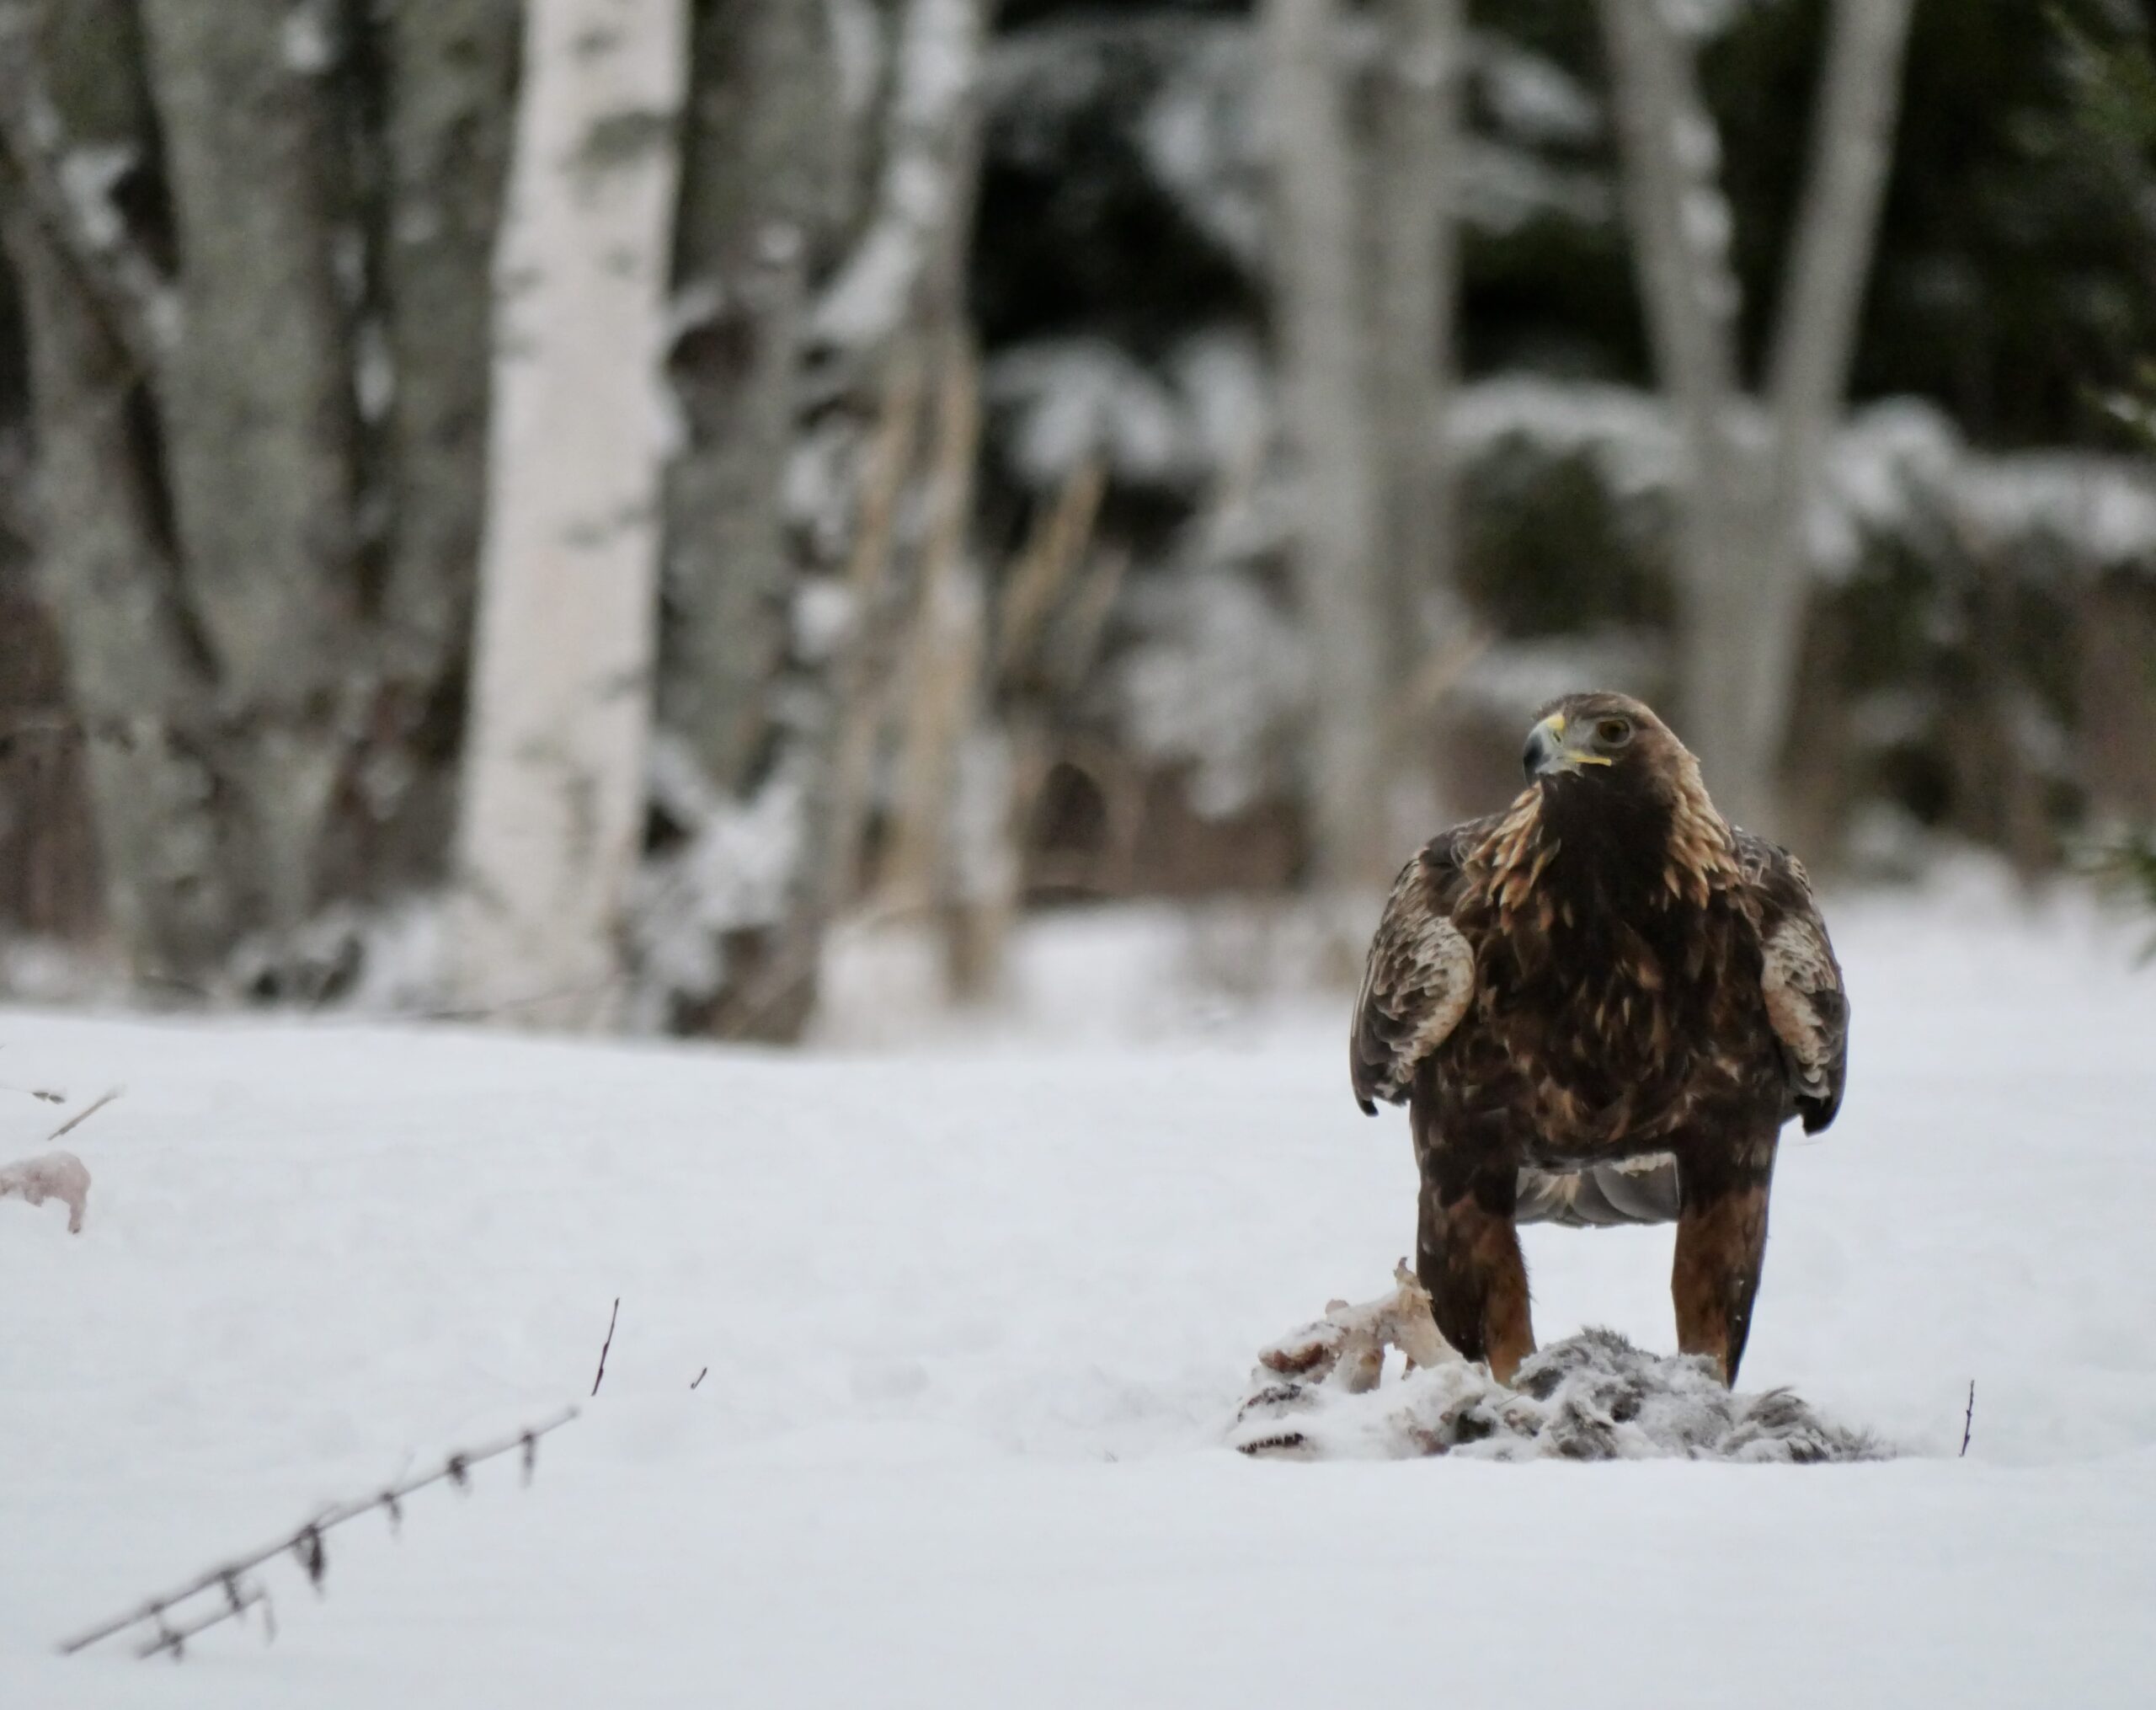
(1601, 1005)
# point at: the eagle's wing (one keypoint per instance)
(1421, 972)
(1806, 1005)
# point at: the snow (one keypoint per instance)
(1533, 99)
(1221, 681)
(732, 871)
(308, 38)
(1899, 469)
(1060, 403)
(977, 1310)
(938, 68)
(1072, 399)
(1896, 470)
(1504, 189)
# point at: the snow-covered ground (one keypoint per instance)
(977, 1313)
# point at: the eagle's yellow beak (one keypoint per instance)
(1548, 752)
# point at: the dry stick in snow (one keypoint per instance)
(305, 1543)
(84, 1115)
(172, 1640)
(700, 1377)
(1969, 1419)
(601, 1376)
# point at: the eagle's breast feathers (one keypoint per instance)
(1610, 992)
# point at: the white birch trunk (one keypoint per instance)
(554, 763)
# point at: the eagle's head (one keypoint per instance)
(1612, 784)
(1601, 746)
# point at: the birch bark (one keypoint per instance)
(554, 782)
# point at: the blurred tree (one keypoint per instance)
(1742, 571)
(553, 802)
(1414, 168)
(1332, 430)
(815, 627)
(223, 435)
(441, 75)
(2115, 119)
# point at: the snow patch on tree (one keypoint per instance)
(733, 872)
(1533, 99)
(1074, 400)
(1218, 683)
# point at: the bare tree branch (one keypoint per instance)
(1851, 146)
(1679, 220)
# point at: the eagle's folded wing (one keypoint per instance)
(1805, 1004)
(1420, 975)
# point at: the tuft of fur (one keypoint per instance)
(1593, 1396)
(54, 1175)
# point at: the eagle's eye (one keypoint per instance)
(1614, 733)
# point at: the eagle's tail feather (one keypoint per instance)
(1638, 1190)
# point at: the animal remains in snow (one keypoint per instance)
(1593, 1396)
(1599, 1006)
(53, 1175)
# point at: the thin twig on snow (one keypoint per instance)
(601, 1376)
(305, 1545)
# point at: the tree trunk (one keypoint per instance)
(257, 413)
(890, 309)
(1741, 571)
(1816, 330)
(554, 782)
(104, 572)
(104, 558)
(757, 164)
(1318, 302)
(49, 869)
(1415, 264)
(449, 92)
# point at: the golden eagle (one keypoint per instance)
(1599, 1006)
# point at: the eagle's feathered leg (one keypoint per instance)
(1467, 1255)
(1721, 1241)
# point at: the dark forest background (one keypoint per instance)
(1009, 592)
